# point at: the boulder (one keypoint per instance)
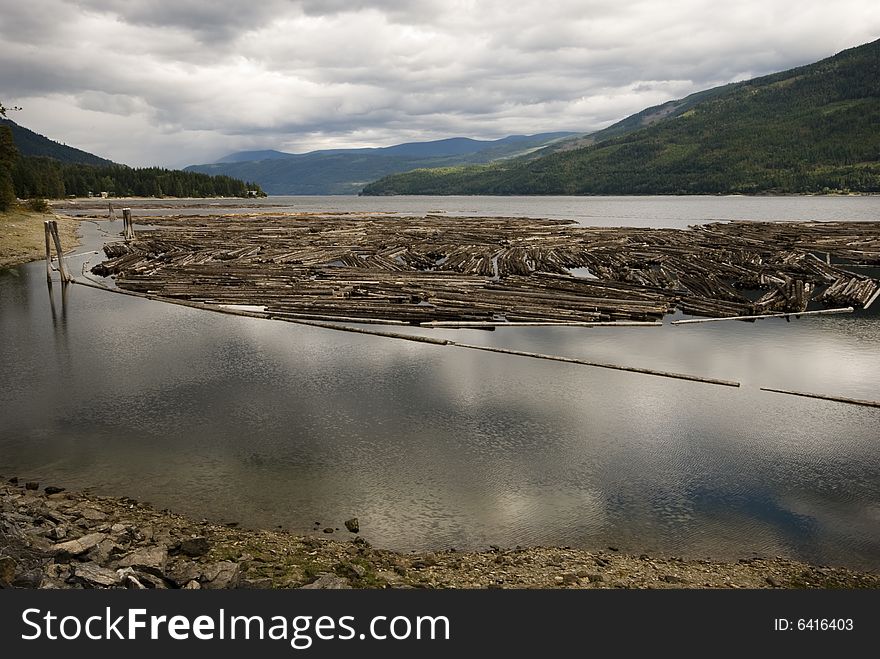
(353, 525)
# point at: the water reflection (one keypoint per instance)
(270, 423)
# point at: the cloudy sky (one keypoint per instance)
(174, 83)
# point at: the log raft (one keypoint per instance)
(487, 271)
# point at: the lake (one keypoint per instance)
(275, 424)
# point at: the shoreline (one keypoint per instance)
(59, 539)
(22, 238)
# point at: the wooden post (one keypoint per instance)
(62, 268)
(127, 228)
(111, 214)
(48, 230)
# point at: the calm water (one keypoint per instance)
(269, 423)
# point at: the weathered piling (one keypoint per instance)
(127, 227)
(51, 230)
(47, 229)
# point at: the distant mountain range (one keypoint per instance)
(346, 171)
(30, 143)
(811, 129)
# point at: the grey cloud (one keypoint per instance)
(308, 74)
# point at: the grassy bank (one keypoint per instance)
(22, 238)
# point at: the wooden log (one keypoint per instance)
(127, 228)
(838, 399)
(873, 298)
(47, 229)
(818, 312)
(455, 324)
(616, 367)
(66, 277)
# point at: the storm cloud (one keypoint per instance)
(175, 83)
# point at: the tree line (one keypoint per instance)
(31, 177)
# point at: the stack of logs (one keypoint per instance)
(440, 268)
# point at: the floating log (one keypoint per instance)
(414, 337)
(818, 312)
(616, 367)
(454, 324)
(838, 399)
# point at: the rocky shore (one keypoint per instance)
(52, 538)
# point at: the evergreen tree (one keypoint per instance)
(8, 155)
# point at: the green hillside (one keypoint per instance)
(811, 129)
(30, 143)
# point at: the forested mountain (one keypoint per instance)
(32, 165)
(345, 171)
(30, 143)
(811, 129)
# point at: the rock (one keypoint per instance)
(390, 577)
(51, 489)
(79, 545)
(570, 579)
(149, 559)
(672, 578)
(193, 585)
(183, 572)
(612, 548)
(597, 578)
(263, 583)
(353, 525)
(32, 485)
(558, 580)
(105, 551)
(358, 571)
(92, 575)
(224, 574)
(57, 533)
(773, 581)
(118, 528)
(30, 579)
(150, 580)
(326, 581)
(13, 480)
(129, 579)
(93, 515)
(328, 530)
(197, 546)
(7, 571)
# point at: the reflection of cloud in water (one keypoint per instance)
(273, 423)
